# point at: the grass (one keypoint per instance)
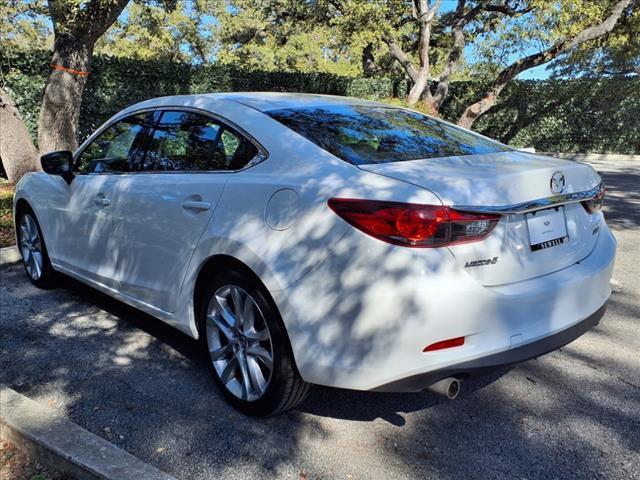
(7, 237)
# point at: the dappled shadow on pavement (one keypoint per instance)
(145, 387)
(134, 381)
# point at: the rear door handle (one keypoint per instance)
(194, 205)
(102, 201)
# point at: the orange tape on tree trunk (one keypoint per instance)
(70, 70)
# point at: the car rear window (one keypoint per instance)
(372, 134)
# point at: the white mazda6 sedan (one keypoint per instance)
(309, 239)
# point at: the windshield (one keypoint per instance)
(377, 134)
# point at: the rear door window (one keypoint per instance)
(187, 141)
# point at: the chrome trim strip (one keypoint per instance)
(524, 207)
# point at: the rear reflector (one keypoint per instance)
(452, 342)
(414, 225)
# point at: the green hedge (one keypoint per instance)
(600, 116)
(583, 115)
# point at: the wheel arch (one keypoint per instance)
(21, 205)
(217, 263)
(222, 262)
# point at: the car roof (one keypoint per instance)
(264, 101)
(261, 101)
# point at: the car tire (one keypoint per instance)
(248, 350)
(33, 250)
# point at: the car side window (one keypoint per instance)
(238, 151)
(110, 151)
(187, 141)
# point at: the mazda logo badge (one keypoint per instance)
(557, 182)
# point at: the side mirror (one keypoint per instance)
(58, 163)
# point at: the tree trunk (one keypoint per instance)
(430, 106)
(424, 15)
(472, 112)
(60, 110)
(456, 52)
(19, 155)
(418, 90)
(369, 67)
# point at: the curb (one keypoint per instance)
(9, 255)
(62, 444)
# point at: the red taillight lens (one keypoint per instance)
(413, 225)
(595, 204)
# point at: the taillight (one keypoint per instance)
(414, 225)
(595, 204)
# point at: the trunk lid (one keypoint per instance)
(498, 180)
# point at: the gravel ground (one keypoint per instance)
(574, 413)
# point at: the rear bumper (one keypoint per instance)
(362, 318)
(482, 365)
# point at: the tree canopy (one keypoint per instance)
(25, 25)
(423, 41)
(151, 30)
(351, 37)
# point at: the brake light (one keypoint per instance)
(414, 225)
(595, 204)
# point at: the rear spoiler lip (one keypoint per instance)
(533, 205)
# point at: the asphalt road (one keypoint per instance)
(574, 413)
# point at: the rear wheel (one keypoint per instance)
(33, 250)
(249, 352)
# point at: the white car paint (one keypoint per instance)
(358, 311)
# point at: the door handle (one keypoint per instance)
(102, 201)
(194, 205)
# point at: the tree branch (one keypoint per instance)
(505, 9)
(396, 52)
(84, 23)
(562, 46)
(425, 16)
(473, 111)
(60, 13)
(459, 22)
(457, 32)
(99, 15)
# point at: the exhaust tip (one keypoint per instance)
(447, 387)
(454, 389)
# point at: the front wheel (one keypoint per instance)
(33, 250)
(249, 351)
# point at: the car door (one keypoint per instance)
(84, 209)
(163, 209)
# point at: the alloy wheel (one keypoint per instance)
(31, 246)
(239, 343)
